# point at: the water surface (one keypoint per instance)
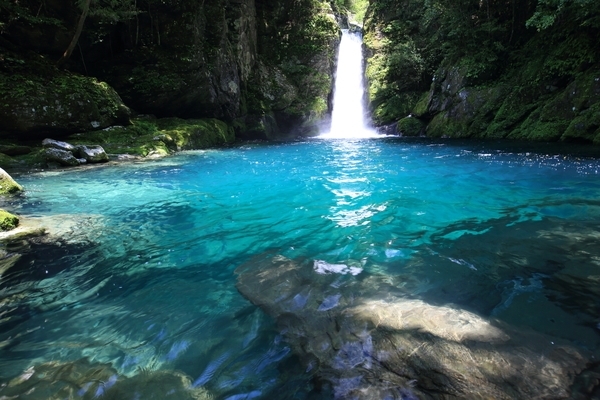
(502, 230)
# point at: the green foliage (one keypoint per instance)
(113, 11)
(548, 12)
(298, 39)
(12, 11)
(357, 8)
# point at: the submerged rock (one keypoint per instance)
(368, 339)
(85, 380)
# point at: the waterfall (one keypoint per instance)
(348, 115)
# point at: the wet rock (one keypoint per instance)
(387, 129)
(66, 154)
(62, 157)
(368, 339)
(85, 380)
(56, 144)
(7, 261)
(91, 154)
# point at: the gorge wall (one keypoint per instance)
(263, 67)
(517, 69)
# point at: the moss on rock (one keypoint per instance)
(40, 97)
(410, 126)
(8, 221)
(584, 127)
(7, 184)
(145, 137)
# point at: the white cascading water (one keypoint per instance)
(348, 115)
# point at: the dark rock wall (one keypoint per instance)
(485, 70)
(265, 68)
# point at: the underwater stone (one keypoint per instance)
(404, 343)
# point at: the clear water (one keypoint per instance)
(147, 285)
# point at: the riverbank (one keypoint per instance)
(144, 137)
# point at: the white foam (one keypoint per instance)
(323, 267)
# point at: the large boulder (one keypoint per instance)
(61, 157)
(366, 338)
(61, 102)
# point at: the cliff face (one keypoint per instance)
(265, 68)
(485, 70)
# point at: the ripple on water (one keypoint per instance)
(148, 287)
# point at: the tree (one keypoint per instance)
(82, 17)
(106, 11)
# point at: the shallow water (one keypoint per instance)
(502, 230)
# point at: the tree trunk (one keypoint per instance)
(82, 17)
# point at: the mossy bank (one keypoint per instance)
(142, 137)
(482, 70)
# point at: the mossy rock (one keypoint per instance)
(536, 129)
(62, 102)
(410, 126)
(34, 159)
(390, 107)
(437, 126)
(585, 127)
(420, 109)
(6, 161)
(15, 150)
(8, 185)
(515, 108)
(8, 221)
(159, 137)
(195, 133)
